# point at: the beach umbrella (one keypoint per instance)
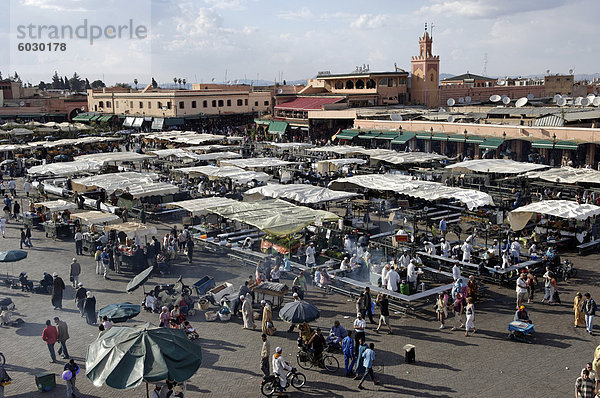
(119, 312)
(124, 357)
(7, 161)
(299, 312)
(12, 256)
(139, 279)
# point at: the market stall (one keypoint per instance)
(132, 237)
(57, 222)
(499, 166)
(300, 193)
(96, 222)
(64, 169)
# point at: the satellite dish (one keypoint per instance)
(396, 117)
(280, 91)
(521, 101)
(450, 102)
(577, 101)
(557, 97)
(530, 97)
(591, 97)
(506, 100)
(495, 98)
(451, 118)
(585, 102)
(561, 102)
(467, 99)
(596, 101)
(570, 71)
(501, 82)
(461, 100)
(21, 103)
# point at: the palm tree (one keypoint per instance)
(179, 80)
(175, 80)
(135, 81)
(184, 83)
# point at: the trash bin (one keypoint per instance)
(45, 381)
(409, 353)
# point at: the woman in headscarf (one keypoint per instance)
(579, 316)
(247, 312)
(89, 307)
(267, 319)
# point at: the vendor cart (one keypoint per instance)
(203, 285)
(276, 291)
(90, 242)
(33, 220)
(58, 229)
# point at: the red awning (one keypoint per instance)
(307, 103)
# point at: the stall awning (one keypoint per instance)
(138, 122)
(548, 144)
(502, 166)
(423, 136)
(567, 145)
(157, 123)
(558, 208)
(57, 205)
(567, 175)
(105, 118)
(83, 117)
(442, 137)
(456, 138)
(262, 121)
(95, 217)
(404, 138)
(174, 121)
(128, 121)
(388, 135)
(474, 139)
(369, 135)
(301, 193)
(491, 143)
(347, 134)
(277, 127)
(308, 103)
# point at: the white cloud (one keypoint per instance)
(58, 5)
(303, 13)
(488, 8)
(234, 5)
(198, 28)
(369, 21)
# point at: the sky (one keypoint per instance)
(227, 40)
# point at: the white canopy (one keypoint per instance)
(238, 175)
(291, 145)
(301, 193)
(116, 157)
(95, 217)
(57, 205)
(176, 152)
(64, 169)
(558, 208)
(339, 149)
(211, 148)
(218, 156)
(567, 175)
(135, 229)
(199, 206)
(343, 162)
(184, 137)
(256, 163)
(137, 184)
(406, 185)
(407, 157)
(78, 141)
(502, 166)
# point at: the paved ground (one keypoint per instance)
(448, 364)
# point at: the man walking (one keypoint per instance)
(548, 289)
(589, 310)
(105, 262)
(521, 289)
(369, 304)
(75, 271)
(58, 286)
(349, 357)
(28, 236)
(359, 331)
(72, 367)
(80, 295)
(265, 354)
(78, 243)
(584, 386)
(383, 303)
(63, 336)
(49, 335)
(368, 358)
(23, 239)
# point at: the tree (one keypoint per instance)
(67, 86)
(87, 84)
(75, 83)
(42, 86)
(154, 83)
(135, 81)
(56, 81)
(97, 84)
(184, 81)
(124, 85)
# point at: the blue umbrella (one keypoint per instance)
(12, 255)
(119, 312)
(299, 312)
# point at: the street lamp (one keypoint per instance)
(553, 147)
(465, 144)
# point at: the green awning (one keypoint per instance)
(277, 127)
(441, 137)
(83, 117)
(262, 121)
(388, 135)
(95, 118)
(474, 139)
(369, 135)
(548, 144)
(423, 136)
(404, 138)
(174, 121)
(105, 118)
(347, 134)
(491, 143)
(457, 138)
(56, 114)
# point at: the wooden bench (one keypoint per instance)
(587, 247)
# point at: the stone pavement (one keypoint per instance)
(448, 364)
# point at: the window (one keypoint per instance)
(220, 103)
(266, 103)
(246, 102)
(240, 102)
(131, 104)
(193, 104)
(108, 104)
(141, 104)
(149, 105)
(159, 105)
(169, 105)
(117, 104)
(214, 103)
(255, 103)
(228, 102)
(431, 79)
(205, 104)
(101, 104)
(339, 85)
(360, 84)
(391, 83)
(383, 82)
(371, 83)
(181, 105)
(349, 85)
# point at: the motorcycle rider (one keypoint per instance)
(279, 368)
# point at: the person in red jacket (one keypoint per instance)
(50, 335)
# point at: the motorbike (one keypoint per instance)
(566, 270)
(270, 384)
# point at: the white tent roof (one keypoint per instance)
(219, 155)
(95, 217)
(557, 208)
(177, 152)
(137, 184)
(211, 147)
(110, 157)
(135, 229)
(256, 163)
(502, 166)
(405, 185)
(567, 175)
(235, 173)
(199, 206)
(407, 157)
(339, 149)
(291, 145)
(301, 193)
(65, 168)
(57, 205)
(78, 141)
(343, 162)
(185, 137)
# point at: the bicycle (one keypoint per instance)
(270, 384)
(307, 361)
